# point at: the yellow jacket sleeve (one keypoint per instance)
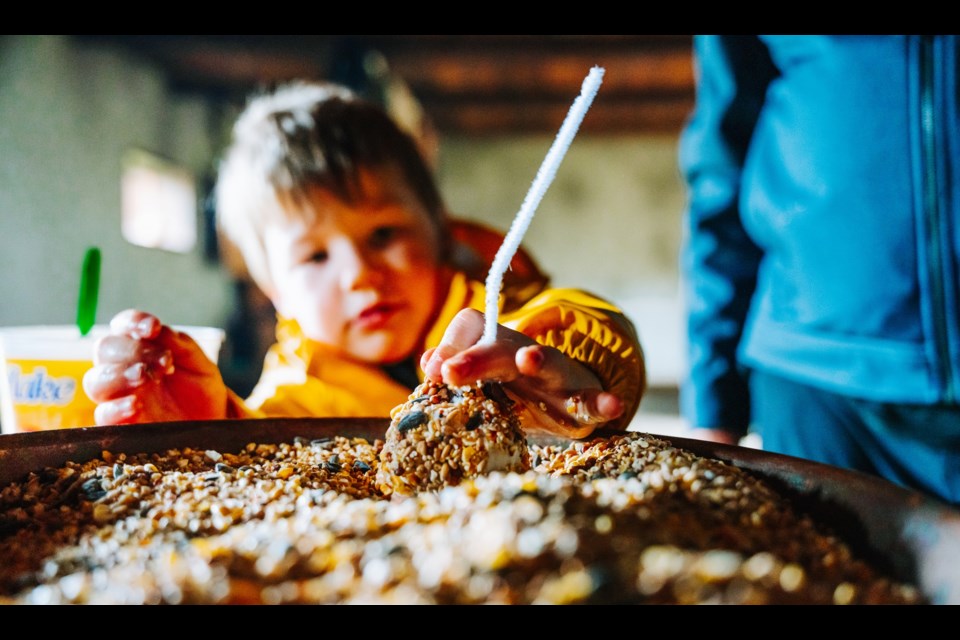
(592, 332)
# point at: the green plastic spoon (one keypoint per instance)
(89, 290)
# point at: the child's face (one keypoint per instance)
(364, 278)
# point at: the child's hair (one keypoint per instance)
(305, 135)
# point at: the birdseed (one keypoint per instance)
(628, 519)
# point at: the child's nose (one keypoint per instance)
(358, 269)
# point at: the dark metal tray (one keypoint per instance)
(911, 536)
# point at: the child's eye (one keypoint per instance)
(382, 236)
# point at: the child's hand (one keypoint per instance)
(562, 396)
(145, 371)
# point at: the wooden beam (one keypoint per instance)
(604, 118)
(536, 73)
(470, 84)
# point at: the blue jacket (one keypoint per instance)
(824, 236)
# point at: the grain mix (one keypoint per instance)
(626, 519)
(442, 435)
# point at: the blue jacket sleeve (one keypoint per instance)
(719, 262)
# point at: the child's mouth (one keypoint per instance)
(376, 316)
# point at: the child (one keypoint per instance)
(341, 225)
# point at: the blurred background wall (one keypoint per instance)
(69, 109)
(67, 115)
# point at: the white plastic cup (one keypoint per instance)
(42, 387)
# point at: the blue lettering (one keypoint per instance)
(39, 388)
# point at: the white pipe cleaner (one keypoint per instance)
(522, 220)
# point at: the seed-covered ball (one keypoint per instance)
(442, 435)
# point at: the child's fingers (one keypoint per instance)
(167, 351)
(530, 360)
(120, 411)
(548, 365)
(592, 406)
(185, 350)
(425, 357)
(135, 323)
(610, 406)
(110, 381)
(118, 349)
(462, 333)
(483, 363)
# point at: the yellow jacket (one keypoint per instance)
(304, 378)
